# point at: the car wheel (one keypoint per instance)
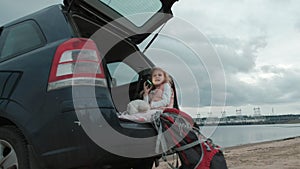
(13, 150)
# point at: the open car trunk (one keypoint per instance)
(126, 68)
(117, 27)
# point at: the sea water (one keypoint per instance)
(233, 135)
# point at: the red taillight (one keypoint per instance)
(76, 62)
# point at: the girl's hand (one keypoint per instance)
(147, 88)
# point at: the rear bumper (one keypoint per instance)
(67, 143)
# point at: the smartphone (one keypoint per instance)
(149, 82)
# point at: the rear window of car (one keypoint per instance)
(20, 38)
(137, 11)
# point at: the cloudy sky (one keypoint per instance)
(258, 43)
(255, 46)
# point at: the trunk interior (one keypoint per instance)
(126, 68)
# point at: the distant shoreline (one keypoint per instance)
(244, 123)
(259, 143)
(248, 120)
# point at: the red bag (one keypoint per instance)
(179, 133)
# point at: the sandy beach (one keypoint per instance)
(280, 154)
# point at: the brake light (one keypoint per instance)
(76, 62)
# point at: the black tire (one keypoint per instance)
(218, 162)
(13, 149)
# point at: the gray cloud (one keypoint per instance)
(281, 88)
(238, 55)
(297, 25)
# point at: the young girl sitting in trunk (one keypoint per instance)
(160, 94)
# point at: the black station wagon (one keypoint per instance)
(65, 73)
